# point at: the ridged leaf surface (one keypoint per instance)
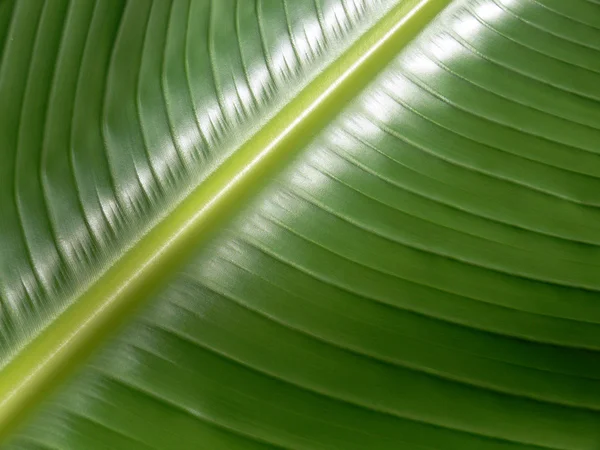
(422, 274)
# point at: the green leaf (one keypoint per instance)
(316, 229)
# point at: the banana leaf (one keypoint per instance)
(300, 224)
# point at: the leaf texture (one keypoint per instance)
(422, 276)
(113, 110)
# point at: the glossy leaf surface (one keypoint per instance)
(423, 275)
(111, 110)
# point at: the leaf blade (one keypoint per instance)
(116, 293)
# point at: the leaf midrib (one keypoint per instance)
(144, 268)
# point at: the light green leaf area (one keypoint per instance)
(322, 225)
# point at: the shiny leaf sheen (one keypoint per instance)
(423, 275)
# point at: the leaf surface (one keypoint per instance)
(423, 274)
